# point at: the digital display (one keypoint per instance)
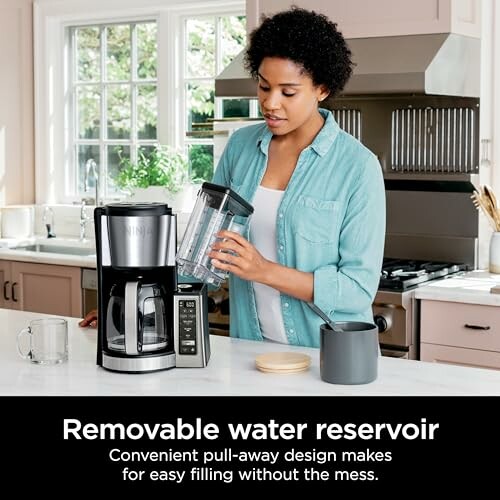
(190, 303)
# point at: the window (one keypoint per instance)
(113, 80)
(113, 101)
(210, 44)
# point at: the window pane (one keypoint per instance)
(118, 112)
(86, 153)
(147, 112)
(88, 111)
(88, 54)
(232, 108)
(233, 31)
(146, 50)
(200, 99)
(113, 153)
(201, 48)
(201, 161)
(118, 52)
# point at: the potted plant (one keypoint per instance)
(159, 175)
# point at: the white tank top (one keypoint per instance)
(263, 236)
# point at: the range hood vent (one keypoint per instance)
(438, 64)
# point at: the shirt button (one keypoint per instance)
(286, 304)
(281, 247)
(291, 330)
(281, 215)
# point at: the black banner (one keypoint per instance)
(262, 444)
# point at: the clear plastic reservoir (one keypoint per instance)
(216, 208)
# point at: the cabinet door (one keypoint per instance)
(47, 288)
(470, 326)
(459, 356)
(366, 18)
(5, 285)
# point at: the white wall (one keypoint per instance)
(17, 184)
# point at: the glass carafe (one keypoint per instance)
(136, 319)
(217, 208)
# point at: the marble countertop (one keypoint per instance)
(231, 371)
(470, 288)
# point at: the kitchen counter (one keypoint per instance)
(469, 288)
(231, 371)
(7, 252)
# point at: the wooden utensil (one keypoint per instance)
(479, 203)
(491, 201)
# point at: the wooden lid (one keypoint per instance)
(282, 362)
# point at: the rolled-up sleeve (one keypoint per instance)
(350, 286)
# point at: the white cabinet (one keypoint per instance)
(41, 288)
(462, 334)
(367, 18)
(16, 103)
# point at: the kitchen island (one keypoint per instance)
(230, 372)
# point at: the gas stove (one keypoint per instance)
(395, 309)
(400, 274)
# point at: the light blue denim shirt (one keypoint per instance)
(331, 222)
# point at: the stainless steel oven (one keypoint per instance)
(395, 309)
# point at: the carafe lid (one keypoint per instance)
(138, 209)
(237, 205)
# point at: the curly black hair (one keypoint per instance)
(307, 38)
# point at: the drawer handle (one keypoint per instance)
(14, 292)
(5, 296)
(476, 327)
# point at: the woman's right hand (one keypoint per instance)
(90, 319)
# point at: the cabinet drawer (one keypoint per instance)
(459, 356)
(460, 325)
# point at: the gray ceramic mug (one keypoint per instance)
(351, 356)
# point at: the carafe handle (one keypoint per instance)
(131, 322)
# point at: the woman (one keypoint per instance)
(317, 233)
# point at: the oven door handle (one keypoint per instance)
(476, 327)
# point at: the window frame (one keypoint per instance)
(71, 174)
(185, 80)
(51, 18)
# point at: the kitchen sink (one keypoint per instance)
(84, 252)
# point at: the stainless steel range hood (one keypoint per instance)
(234, 81)
(437, 64)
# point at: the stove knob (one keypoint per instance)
(382, 322)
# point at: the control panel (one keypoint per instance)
(187, 326)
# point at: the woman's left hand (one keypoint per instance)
(247, 264)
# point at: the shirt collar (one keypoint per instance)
(322, 141)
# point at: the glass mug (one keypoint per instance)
(48, 341)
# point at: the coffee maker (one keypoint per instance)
(146, 320)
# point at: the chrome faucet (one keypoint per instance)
(91, 168)
(84, 220)
(48, 220)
